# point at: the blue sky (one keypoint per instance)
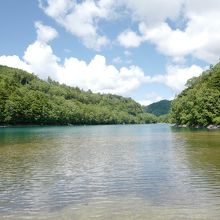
(130, 48)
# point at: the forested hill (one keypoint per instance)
(159, 108)
(25, 99)
(199, 103)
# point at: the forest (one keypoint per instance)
(27, 100)
(199, 104)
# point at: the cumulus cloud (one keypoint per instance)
(96, 75)
(81, 18)
(100, 77)
(177, 76)
(153, 11)
(130, 39)
(15, 62)
(198, 37)
(38, 57)
(41, 60)
(198, 34)
(45, 33)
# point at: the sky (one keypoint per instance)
(143, 49)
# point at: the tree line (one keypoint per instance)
(27, 100)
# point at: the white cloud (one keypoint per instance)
(45, 33)
(198, 37)
(81, 18)
(41, 60)
(129, 39)
(177, 76)
(100, 77)
(56, 8)
(96, 75)
(153, 11)
(196, 33)
(15, 62)
(169, 42)
(202, 7)
(39, 57)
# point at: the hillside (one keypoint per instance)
(159, 108)
(26, 99)
(199, 103)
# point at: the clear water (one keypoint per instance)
(109, 172)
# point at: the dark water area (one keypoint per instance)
(109, 172)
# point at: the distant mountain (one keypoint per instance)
(159, 108)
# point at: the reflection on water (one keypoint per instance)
(109, 172)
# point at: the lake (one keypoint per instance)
(109, 172)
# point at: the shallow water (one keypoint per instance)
(109, 172)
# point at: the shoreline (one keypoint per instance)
(65, 125)
(209, 127)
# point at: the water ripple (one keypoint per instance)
(109, 172)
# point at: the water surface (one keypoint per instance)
(109, 172)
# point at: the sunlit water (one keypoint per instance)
(109, 172)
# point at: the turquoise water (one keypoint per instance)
(109, 172)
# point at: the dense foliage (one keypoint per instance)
(199, 103)
(25, 99)
(159, 108)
